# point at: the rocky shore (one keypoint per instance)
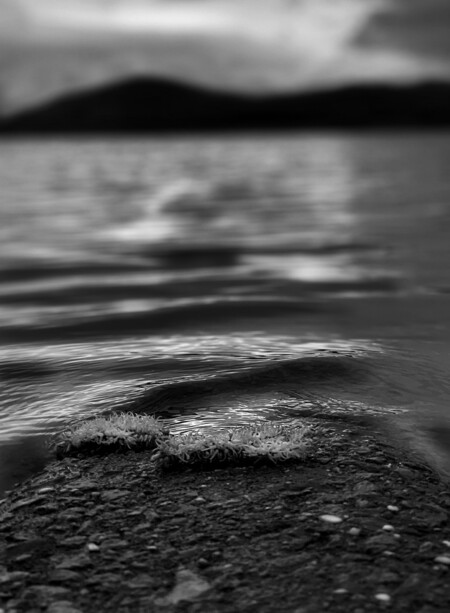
(359, 526)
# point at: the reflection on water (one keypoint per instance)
(133, 266)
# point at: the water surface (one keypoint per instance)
(218, 281)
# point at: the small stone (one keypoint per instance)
(152, 548)
(111, 495)
(62, 575)
(24, 503)
(199, 499)
(93, 547)
(382, 597)
(443, 560)
(74, 563)
(46, 490)
(354, 531)
(392, 508)
(202, 562)
(446, 543)
(188, 587)
(388, 528)
(62, 606)
(331, 519)
(73, 541)
(340, 590)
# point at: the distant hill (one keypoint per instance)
(158, 105)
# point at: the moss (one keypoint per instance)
(255, 443)
(117, 432)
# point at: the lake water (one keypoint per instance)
(216, 281)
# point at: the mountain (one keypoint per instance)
(157, 105)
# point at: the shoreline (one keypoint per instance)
(359, 525)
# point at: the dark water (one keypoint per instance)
(218, 281)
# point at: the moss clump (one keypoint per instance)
(117, 432)
(255, 443)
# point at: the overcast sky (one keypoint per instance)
(49, 47)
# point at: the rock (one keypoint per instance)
(141, 582)
(61, 576)
(84, 485)
(388, 528)
(364, 488)
(73, 541)
(380, 542)
(443, 560)
(24, 503)
(331, 519)
(63, 606)
(74, 562)
(92, 547)
(44, 594)
(392, 508)
(111, 495)
(73, 514)
(13, 577)
(29, 546)
(188, 587)
(354, 531)
(382, 597)
(46, 490)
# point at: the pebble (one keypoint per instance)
(93, 547)
(199, 499)
(388, 527)
(382, 597)
(62, 606)
(354, 531)
(443, 560)
(340, 590)
(331, 519)
(393, 508)
(446, 543)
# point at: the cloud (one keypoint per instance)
(420, 28)
(51, 47)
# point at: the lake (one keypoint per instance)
(216, 281)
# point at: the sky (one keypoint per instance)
(49, 48)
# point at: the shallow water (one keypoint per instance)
(218, 281)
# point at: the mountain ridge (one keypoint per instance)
(164, 106)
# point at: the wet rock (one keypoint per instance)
(43, 595)
(62, 575)
(354, 531)
(63, 606)
(443, 560)
(188, 587)
(24, 503)
(380, 542)
(37, 545)
(364, 488)
(111, 495)
(72, 514)
(13, 577)
(74, 562)
(331, 519)
(73, 541)
(382, 597)
(141, 582)
(85, 485)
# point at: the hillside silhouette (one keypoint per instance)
(161, 106)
